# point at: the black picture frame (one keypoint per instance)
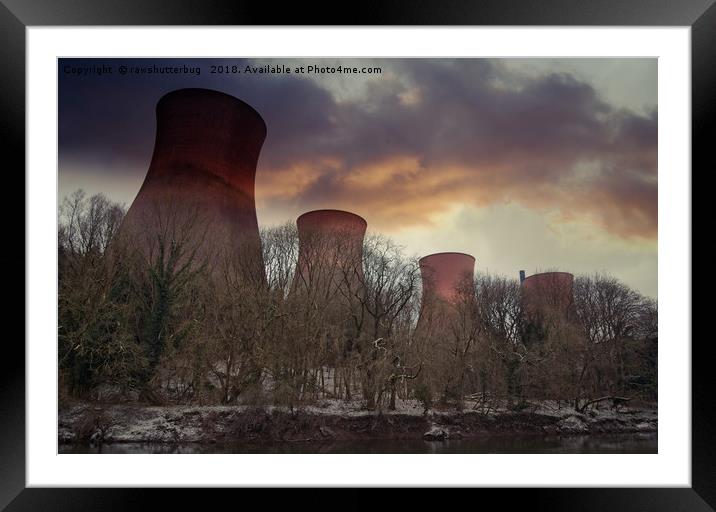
(17, 15)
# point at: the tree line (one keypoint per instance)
(159, 318)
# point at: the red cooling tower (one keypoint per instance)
(442, 274)
(204, 163)
(330, 249)
(551, 289)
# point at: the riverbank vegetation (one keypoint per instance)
(159, 318)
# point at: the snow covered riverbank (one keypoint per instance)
(132, 423)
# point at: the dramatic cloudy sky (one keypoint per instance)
(524, 163)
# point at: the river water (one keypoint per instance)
(602, 443)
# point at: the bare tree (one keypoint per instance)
(387, 287)
(163, 304)
(611, 315)
(280, 253)
(95, 341)
(88, 224)
(500, 314)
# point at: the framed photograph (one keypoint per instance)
(429, 250)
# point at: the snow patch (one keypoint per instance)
(436, 433)
(573, 425)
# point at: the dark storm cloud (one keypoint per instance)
(426, 134)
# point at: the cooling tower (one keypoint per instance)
(330, 251)
(550, 289)
(443, 273)
(200, 182)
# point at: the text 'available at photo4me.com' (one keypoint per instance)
(220, 69)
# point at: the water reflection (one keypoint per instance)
(603, 443)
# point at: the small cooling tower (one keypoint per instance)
(330, 251)
(550, 289)
(547, 301)
(443, 274)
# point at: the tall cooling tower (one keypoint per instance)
(330, 251)
(200, 182)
